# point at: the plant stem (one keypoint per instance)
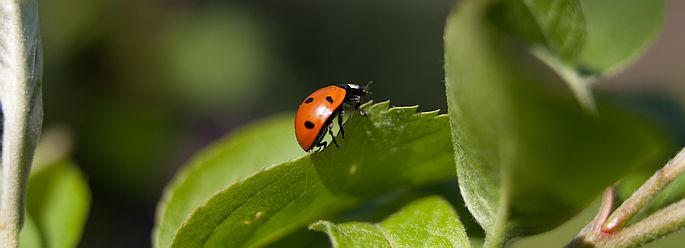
(646, 192)
(15, 172)
(663, 222)
(592, 232)
(22, 115)
(659, 224)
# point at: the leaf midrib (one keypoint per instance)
(250, 198)
(308, 188)
(386, 235)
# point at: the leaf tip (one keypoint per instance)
(408, 110)
(366, 104)
(432, 113)
(381, 106)
(321, 226)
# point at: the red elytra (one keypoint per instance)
(315, 115)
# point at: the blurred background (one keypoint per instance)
(144, 84)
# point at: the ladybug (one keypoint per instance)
(316, 113)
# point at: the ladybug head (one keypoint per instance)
(355, 89)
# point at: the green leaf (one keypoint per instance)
(30, 235)
(562, 24)
(555, 32)
(522, 144)
(303, 238)
(58, 199)
(583, 40)
(22, 108)
(428, 222)
(558, 25)
(234, 157)
(618, 32)
(390, 149)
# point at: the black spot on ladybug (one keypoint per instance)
(308, 124)
(329, 99)
(309, 100)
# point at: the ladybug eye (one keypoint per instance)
(308, 124)
(329, 99)
(309, 100)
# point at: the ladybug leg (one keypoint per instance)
(330, 131)
(356, 107)
(321, 145)
(357, 100)
(341, 113)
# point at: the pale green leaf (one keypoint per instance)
(387, 150)
(618, 32)
(234, 157)
(30, 235)
(58, 199)
(22, 108)
(428, 222)
(528, 157)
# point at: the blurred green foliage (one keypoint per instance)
(57, 197)
(58, 200)
(216, 57)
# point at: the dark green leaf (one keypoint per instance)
(528, 157)
(302, 238)
(388, 150)
(58, 199)
(554, 31)
(234, 157)
(558, 25)
(428, 222)
(563, 27)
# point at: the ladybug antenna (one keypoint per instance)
(366, 88)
